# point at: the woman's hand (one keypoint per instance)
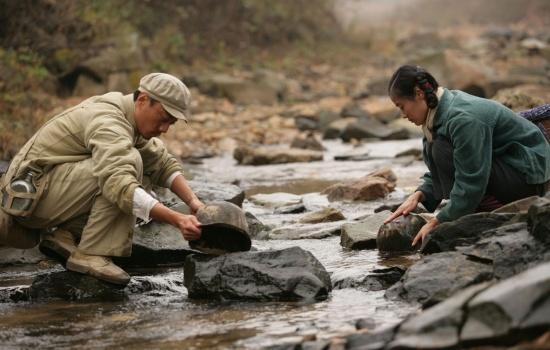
(407, 206)
(424, 231)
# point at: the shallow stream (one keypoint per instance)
(166, 318)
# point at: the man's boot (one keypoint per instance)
(96, 266)
(15, 235)
(58, 245)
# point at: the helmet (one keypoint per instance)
(224, 229)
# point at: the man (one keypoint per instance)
(93, 166)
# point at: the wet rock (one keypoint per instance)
(464, 231)
(251, 156)
(437, 327)
(382, 279)
(276, 200)
(437, 276)
(349, 277)
(329, 214)
(510, 249)
(307, 231)
(73, 286)
(362, 234)
(291, 209)
(398, 235)
(365, 323)
(320, 344)
(154, 285)
(211, 191)
(372, 186)
(539, 219)
(14, 294)
(376, 339)
(516, 305)
(255, 226)
(506, 313)
(287, 274)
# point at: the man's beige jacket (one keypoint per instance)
(102, 128)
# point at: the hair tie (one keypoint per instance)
(426, 86)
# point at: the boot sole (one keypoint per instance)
(71, 266)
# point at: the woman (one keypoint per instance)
(480, 154)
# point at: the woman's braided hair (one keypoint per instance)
(409, 76)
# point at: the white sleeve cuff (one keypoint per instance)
(143, 202)
(171, 179)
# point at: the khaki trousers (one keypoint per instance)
(73, 201)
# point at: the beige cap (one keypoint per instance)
(169, 91)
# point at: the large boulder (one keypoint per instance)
(289, 274)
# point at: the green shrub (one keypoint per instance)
(21, 98)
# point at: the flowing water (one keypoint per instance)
(165, 318)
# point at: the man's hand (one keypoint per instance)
(407, 206)
(189, 226)
(194, 206)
